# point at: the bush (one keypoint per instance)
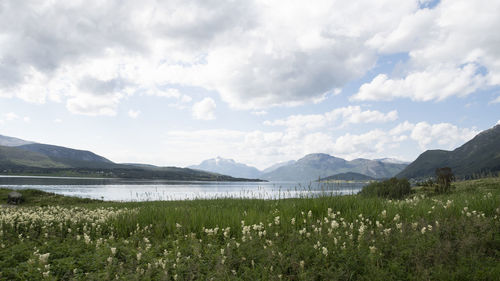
(444, 177)
(392, 188)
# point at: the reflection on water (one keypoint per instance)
(151, 190)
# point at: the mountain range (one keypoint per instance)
(477, 157)
(310, 167)
(320, 165)
(23, 157)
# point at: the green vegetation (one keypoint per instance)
(38, 198)
(12, 156)
(452, 236)
(392, 188)
(349, 176)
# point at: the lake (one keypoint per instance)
(165, 190)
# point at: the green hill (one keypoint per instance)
(479, 156)
(70, 157)
(12, 156)
(349, 176)
(42, 159)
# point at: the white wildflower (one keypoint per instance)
(44, 258)
(324, 251)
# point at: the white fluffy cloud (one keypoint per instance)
(431, 84)
(93, 105)
(253, 53)
(446, 135)
(340, 116)
(428, 136)
(453, 51)
(204, 109)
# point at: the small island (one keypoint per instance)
(347, 177)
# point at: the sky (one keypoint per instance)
(173, 82)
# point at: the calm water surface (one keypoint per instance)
(151, 190)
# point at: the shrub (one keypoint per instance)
(444, 177)
(392, 188)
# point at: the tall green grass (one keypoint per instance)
(424, 236)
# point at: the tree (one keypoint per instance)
(444, 177)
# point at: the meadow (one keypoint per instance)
(425, 236)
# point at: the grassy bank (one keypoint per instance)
(424, 237)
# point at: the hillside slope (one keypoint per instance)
(12, 156)
(71, 157)
(10, 141)
(349, 176)
(480, 155)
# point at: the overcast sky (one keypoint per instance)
(177, 82)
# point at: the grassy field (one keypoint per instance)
(454, 236)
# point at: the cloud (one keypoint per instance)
(496, 100)
(452, 48)
(134, 113)
(254, 54)
(442, 135)
(433, 136)
(343, 116)
(10, 116)
(204, 110)
(93, 105)
(431, 84)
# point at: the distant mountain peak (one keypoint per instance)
(219, 161)
(317, 156)
(227, 167)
